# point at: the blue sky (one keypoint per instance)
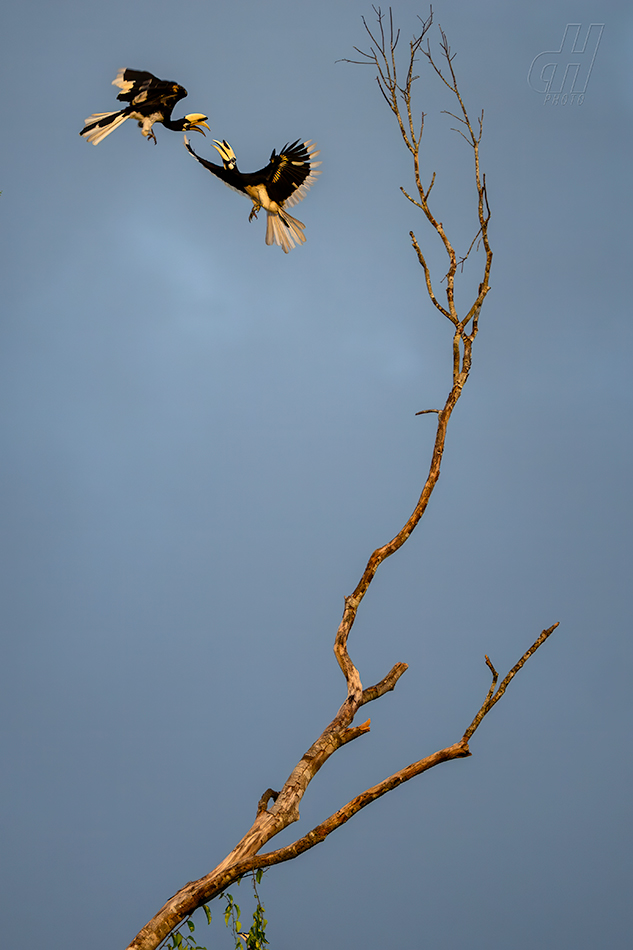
(204, 439)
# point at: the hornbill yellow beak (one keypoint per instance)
(195, 119)
(226, 152)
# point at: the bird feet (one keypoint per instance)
(150, 135)
(253, 213)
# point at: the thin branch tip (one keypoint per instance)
(493, 697)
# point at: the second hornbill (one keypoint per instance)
(282, 183)
(151, 100)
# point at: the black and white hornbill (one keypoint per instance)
(282, 183)
(151, 100)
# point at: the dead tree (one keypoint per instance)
(278, 809)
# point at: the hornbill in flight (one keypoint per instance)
(282, 183)
(151, 100)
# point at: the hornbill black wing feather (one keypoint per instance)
(131, 82)
(231, 177)
(139, 87)
(285, 172)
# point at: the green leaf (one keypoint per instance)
(191, 926)
(205, 907)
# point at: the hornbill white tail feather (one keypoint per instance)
(101, 124)
(284, 230)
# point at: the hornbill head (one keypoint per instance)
(226, 153)
(193, 120)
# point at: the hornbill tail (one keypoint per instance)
(284, 230)
(101, 124)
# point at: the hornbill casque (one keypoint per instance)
(151, 100)
(282, 183)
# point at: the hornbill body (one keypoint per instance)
(282, 183)
(151, 100)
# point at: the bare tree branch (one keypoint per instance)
(493, 697)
